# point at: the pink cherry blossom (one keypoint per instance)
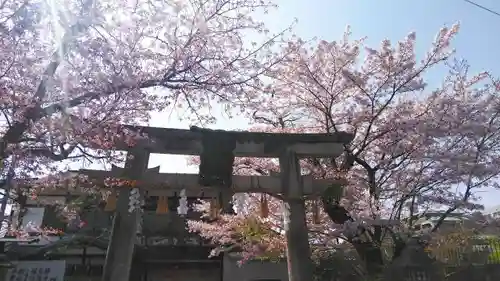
(416, 148)
(73, 72)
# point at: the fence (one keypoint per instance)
(478, 252)
(479, 262)
(489, 272)
(447, 273)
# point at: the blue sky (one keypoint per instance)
(478, 40)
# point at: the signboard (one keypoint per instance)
(37, 271)
(33, 218)
(174, 241)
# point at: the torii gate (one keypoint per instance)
(290, 184)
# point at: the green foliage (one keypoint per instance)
(254, 230)
(259, 234)
(494, 249)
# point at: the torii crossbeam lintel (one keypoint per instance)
(158, 183)
(248, 144)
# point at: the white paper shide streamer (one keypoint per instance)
(183, 207)
(134, 202)
(285, 210)
(240, 199)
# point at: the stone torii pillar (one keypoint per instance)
(300, 266)
(124, 228)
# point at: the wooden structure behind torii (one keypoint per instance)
(290, 184)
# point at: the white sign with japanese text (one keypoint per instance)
(37, 271)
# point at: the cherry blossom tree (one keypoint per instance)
(416, 148)
(72, 72)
